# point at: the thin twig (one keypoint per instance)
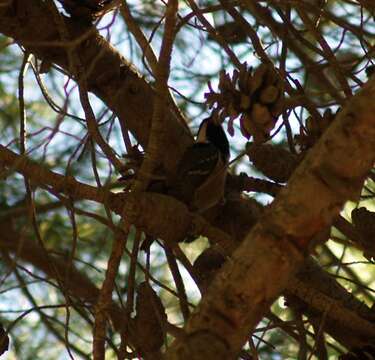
(156, 139)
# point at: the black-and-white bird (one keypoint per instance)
(201, 173)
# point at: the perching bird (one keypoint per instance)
(200, 178)
(201, 173)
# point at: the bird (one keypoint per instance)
(199, 180)
(201, 173)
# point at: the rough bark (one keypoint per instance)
(113, 80)
(311, 286)
(261, 267)
(109, 76)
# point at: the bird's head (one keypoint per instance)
(210, 131)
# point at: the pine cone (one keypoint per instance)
(256, 98)
(150, 319)
(364, 223)
(273, 161)
(314, 129)
(206, 265)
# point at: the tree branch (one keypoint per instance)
(109, 76)
(332, 172)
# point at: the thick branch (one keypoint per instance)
(172, 225)
(331, 173)
(308, 288)
(109, 75)
(346, 318)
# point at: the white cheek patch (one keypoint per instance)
(202, 136)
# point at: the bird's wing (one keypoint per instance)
(197, 163)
